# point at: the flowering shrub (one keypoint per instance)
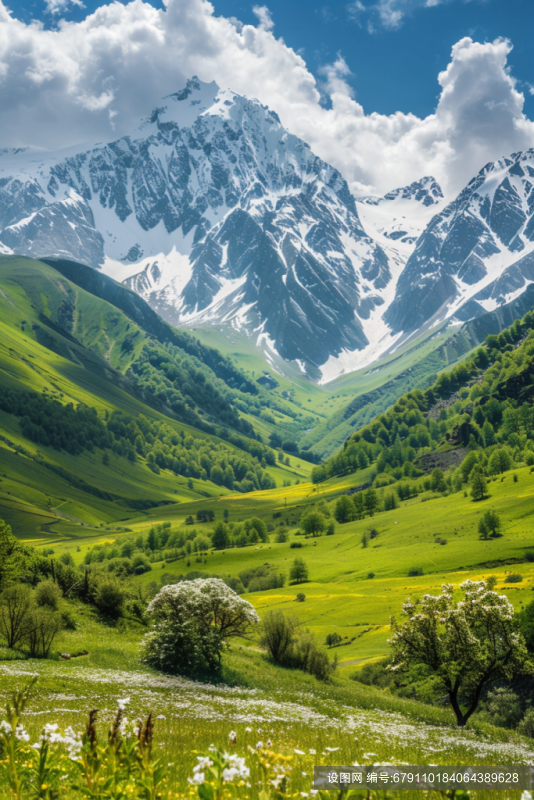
(191, 621)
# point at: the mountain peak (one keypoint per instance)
(426, 191)
(182, 107)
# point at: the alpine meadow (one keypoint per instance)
(266, 401)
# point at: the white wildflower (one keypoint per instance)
(299, 752)
(236, 769)
(22, 734)
(5, 728)
(331, 749)
(259, 745)
(526, 796)
(204, 762)
(123, 703)
(313, 752)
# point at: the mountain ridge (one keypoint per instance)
(218, 216)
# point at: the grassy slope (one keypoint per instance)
(38, 503)
(312, 723)
(339, 596)
(290, 707)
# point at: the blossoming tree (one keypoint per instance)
(465, 643)
(191, 621)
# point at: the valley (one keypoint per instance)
(138, 457)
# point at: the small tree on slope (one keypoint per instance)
(466, 643)
(191, 621)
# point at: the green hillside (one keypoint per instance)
(62, 345)
(135, 457)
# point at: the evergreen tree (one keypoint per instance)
(488, 433)
(359, 508)
(390, 501)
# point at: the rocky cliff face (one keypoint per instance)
(216, 214)
(476, 254)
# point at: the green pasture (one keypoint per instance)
(340, 595)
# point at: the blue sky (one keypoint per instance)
(393, 68)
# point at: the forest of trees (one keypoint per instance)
(50, 423)
(482, 403)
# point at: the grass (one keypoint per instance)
(41, 505)
(340, 597)
(342, 722)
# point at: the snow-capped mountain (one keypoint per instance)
(214, 213)
(217, 215)
(476, 254)
(403, 214)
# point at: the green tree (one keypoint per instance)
(217, 475)
(220, 538)
(313, 523)
(488, 433)
(229, 477)
(359, 506)
(489, 524)
(437, 480)
(370, 500)
(259, 526)
(390, 501)
(110, 597)
(344, 510)
(48, 593)
(526, 622)
(333, 639)
(277, 635)
(479, 488)
(299, 571)
(12, 555)
(465, 643)
(500, 461)
(16, 610)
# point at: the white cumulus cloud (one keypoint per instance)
(93, 80)
(60, 6)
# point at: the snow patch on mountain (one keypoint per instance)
(217, 215)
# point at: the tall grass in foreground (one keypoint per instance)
(231, 744)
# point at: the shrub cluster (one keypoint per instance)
(290, 645)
